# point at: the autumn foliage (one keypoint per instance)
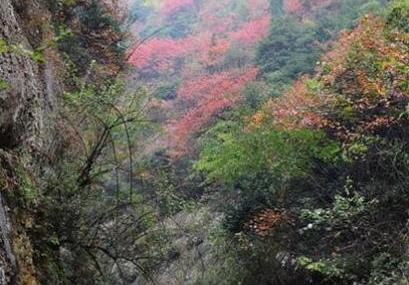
(264, 222)
(372, 87)
(297, 108)
(253, 31)
(211, 93)
(203, 62)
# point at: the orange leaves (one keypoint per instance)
(334, 60)
(306, 104)
(297, 108)
(265, 221)
(358, 89)
(369, 86)
(362, 82)
(257, 119)
(181, 130)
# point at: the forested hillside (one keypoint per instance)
(204, 142)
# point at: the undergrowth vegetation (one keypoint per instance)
(332, 157)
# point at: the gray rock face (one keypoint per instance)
(25, 94)
(7, 258)
(27, 100)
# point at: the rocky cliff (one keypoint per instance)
(27, 104)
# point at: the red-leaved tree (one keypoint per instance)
(207, 72)
(211, 94)
(252, 32)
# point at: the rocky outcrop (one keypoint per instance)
(16, 250)
(28, 88)
(8, 264)
(26, 96)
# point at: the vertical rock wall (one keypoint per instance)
(27, 103)
(28, 86)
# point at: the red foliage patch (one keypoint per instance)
(253, 31)
(212, 94)
(160, 53)
(210, 80)
(170, 6)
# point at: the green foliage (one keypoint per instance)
(169, 200)
(288, 51)
(346, 209)
(97, 18)
(293, 47)
(226, 269)
(324, 267)
(3, 84)
(343, 181)
(343, 15)
(387, 270)
(231, 153)
(95, 36)
(36, 54)
(94, 176)
(27, 192)
(398, 15)
(3, 46)
(167, 184)
(255, 95)
(23, 188)
(166, 92)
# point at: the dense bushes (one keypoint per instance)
(331, 157)
(296, 40)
